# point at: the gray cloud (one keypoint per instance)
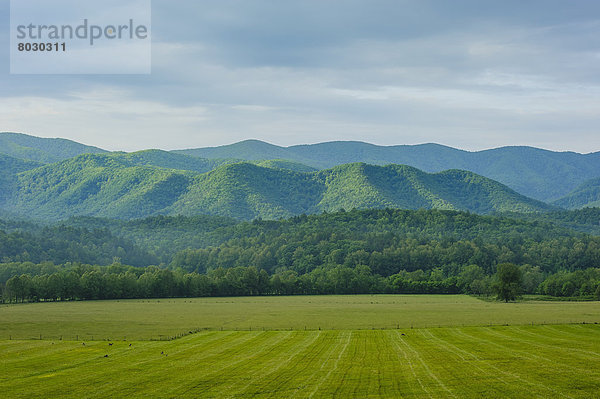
(472, 74)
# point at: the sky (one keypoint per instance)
(471, 74)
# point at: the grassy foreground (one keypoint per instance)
(460, 362)
(163, 318)
(349, 357)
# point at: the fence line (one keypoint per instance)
(172, 337)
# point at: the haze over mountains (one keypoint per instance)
(281, 182)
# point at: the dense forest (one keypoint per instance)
(358, 251)
(61, 244)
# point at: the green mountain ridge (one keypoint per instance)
(585, 196)
(283, 164)
(127, 186)
(9, 168)
(43, 150)
(540, 174)
(533, 172)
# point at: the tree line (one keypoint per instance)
(47, 282)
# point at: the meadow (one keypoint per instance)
(165, 318)
(353, 347)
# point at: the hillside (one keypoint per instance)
(9, 167)
(60, 244)
(247, 191)
(12, 165)
(408, 239)
(136, 185)
(284, 164)
(399, 186)
(541, 174)
(164, 236)
(97, 185)
(249, 150)
(544, 175)
(42, 149)
(167, 160)
(585, 196)
(586, 220)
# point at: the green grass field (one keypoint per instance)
(345, 359)
(153, 319)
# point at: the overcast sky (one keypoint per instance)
(471, 74)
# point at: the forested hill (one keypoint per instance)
(11, 165)
(26, 242)
(153, 182)
(173, 160)
(388, 241)
(536, 173)
(42, 149)
(586, 195)
(586, 220)
(164, 236)
(9, 168)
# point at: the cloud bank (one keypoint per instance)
(469, 74)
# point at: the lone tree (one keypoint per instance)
(508, 284)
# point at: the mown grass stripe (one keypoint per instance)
(516, 360)
(412, 369)
(512, 340)
(336, 362)
(272, 374)
(296, 379)
(557, 346)
(392, 374)
(494, 373)
(576, 331)
(208, 381)
(152, 368)
(444, 346)
(258, 363)
(424, 365)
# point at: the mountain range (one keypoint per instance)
(253, 179)
(132, 186)
(540, 174)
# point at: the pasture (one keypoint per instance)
(351, 356)
(164, 318)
